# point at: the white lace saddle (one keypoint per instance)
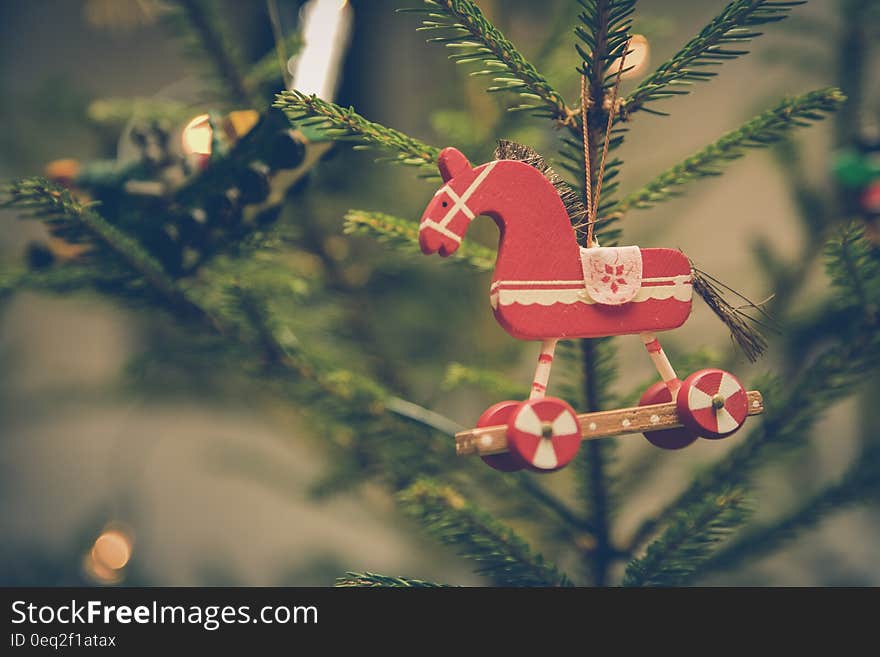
(612, 274)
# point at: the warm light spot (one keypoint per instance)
(198, 135)
(112, 550)
(63, 171)
(100, 574)
(637, 58)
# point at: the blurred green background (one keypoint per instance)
(104, 421)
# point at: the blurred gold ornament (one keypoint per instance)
(240, 122)
(197, 136)
(638, 57)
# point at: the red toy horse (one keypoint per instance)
(546, 287)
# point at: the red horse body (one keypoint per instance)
(547, 287)
(539, 289)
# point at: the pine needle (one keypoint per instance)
(688, 541)
(374, 580)
(498, 551)
(475, 40)
(723, 39)
(759, 132)
(344, 124)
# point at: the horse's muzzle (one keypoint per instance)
(433, 241)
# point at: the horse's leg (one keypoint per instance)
(661, 362)
(542, 370)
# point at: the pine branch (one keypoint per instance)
(852, 265)
(860, 484)
(77, 222)
(688, 541)
(596, 482)
(521, 484)
(474, 40)
(721, 40)
(116, 112)
(829, 378)
(12, 279)
(761, 131)
(404, 235)
(342, 124)
(374, 580)
(211, 40)
(69, 277)
(790, 414)
(357, 396)
(458, 374)
(603, 31)
(499, 552)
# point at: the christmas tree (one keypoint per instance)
(216, 240)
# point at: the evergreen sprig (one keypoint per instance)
(597, 485)
(790, 414)
(374, 580)
(196, 21)
(603, 32)
(722, 39)
(77, 222)
(765, 129)
(852, 265)
(404, 235)
(860, 484)
(355, 397)
(689, 540)
(458, 374)
(498, 551)
(341, 124)
(475, 40)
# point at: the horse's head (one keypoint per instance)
(448, 216)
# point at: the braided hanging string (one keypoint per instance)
(591, 199)
(745, 329)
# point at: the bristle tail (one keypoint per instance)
(744, 328)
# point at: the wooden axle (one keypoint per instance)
(493, 440)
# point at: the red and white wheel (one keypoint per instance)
(677, 438)
(712, 403)
(545, 433)
(499, 414)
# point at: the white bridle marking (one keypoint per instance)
(443, 230)
(459, 204)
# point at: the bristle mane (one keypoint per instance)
(574, 206)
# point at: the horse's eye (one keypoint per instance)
(445, 204)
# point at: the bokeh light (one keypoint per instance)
(638, 57)
(109, 555)
(197, 136)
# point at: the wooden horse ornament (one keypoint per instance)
(546, 287)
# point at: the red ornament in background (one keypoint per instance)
(871, 198)
(546, 287)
